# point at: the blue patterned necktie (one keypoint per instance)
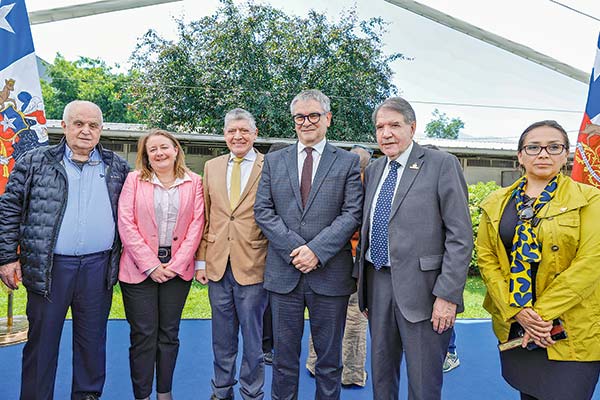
(379, 231)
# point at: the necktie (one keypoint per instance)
(379, 231)
(306, 178)
(235, 188)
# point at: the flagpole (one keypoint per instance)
(14, 330)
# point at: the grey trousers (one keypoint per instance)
(236, 307)
(392, 335)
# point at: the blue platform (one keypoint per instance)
(478, 376)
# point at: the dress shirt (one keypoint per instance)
(246, 169)
(88, 224)
(316, 154)
(166, 208)
(402, 159)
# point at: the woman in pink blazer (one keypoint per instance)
(161, 220)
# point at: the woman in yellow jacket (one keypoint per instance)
(539, 256)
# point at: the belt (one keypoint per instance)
(164, 254)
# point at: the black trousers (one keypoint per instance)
(153, 311)
(78, 282)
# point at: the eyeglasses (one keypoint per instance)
(313, 118)
(552, 149)
(360, 146)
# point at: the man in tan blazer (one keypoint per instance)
(231, 259)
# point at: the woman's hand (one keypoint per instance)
(535, 327)
(162, 274)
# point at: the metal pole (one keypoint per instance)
(9, 311)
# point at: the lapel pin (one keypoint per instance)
(414, 166)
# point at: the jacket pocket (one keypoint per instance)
(431, 263)
(259, 244)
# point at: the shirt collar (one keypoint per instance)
(178, 181)
(403, 158)
(319, 147)
(250, 156)
(93, 156)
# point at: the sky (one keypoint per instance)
(461, 76)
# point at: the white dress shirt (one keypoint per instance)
(316, 154)
(402, 159)
(166, 208)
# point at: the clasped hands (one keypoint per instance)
(162, 274)
(535, 327)
(304, 259)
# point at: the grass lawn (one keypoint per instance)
(197, 305)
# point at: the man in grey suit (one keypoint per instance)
(416, 244)
(308, 205)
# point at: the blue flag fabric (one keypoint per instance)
(22, 116)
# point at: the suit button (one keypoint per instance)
(303, 223)
(554, 248)
(228, 238)
(175, 238)
(231, 218)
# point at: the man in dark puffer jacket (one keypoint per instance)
(59, 235)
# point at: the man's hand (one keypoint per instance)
(443, 315)
(200, 276)
(10, 274)
(304, 259)
(162, 274)
(535, 326)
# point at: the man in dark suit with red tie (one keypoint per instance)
(308, 205)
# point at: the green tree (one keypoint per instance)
(88, 79)
(477, 193)
(443, 127)
(256, 57)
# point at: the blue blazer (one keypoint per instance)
(333, 212)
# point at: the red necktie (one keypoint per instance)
(306, 179)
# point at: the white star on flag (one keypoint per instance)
(7, 123)
(597, 65)
(4, 11)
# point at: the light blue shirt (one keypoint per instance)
(88, 225)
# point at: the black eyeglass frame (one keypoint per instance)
(296, 118)
(547, 148)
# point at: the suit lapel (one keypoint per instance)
(253, 178)
(220, 176)
(184, 198)
(375, 174)
(291, 161)
(147, 193)
(411, 170)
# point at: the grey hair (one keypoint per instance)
(312, 94)
(69, 106)
(239, 114)
(399, 105)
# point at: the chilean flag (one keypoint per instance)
(586, 165)
(22, 117)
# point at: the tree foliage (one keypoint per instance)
(257, 57)
(477, 193)
(88, 79)
(443, 127)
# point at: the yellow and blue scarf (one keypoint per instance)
(526, 249)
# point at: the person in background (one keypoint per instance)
(451, 361)
(59, 216)
(539, 255)
(231, 259)
(308, 205)
(415, 249)
(161, 220)
(354, 343)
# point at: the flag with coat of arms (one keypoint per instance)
(586, 164)
(22, 117)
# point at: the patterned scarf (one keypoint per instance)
(526, 249)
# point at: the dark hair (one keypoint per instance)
(550, 124)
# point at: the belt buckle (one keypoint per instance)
(162, 253)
